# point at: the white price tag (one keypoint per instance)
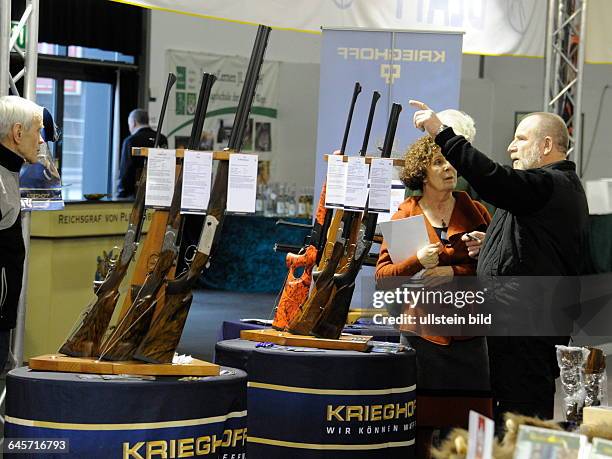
(398, 193)
(161, 170)
(242, 183)
(336, 182)
(356, 184)
(380, 185)
(197, 177)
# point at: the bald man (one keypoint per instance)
(130, 167)
(539, 229)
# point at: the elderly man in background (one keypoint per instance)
(539, 229)
(141, 135)
(20, 124)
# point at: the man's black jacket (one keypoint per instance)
(539, 229)
(130, 166)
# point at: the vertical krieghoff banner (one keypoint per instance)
(230, 72)
(401, 65)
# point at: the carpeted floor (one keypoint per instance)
(208, 311)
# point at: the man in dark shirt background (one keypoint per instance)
(141, 135)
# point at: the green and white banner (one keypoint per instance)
(230, 72)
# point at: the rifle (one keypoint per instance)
(333, 318)
(162, 339)
(133, 325)
(342, 252)
(85, 340)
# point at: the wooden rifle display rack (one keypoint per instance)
(397, 162)
(180, 153)
(346, 342)
(154, 239)
(59, 362)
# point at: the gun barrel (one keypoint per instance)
(249, 87)
(347, 128)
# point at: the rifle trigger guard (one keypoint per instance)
(189, 258)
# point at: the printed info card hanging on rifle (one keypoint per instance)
(357, 174)
(161, 170)
(381, 173)
(336, 182)
(197, 178)
(242, 183)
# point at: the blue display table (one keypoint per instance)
(320, 404)
(117, 418)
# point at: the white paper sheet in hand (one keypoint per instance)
(404, 237)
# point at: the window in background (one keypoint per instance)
(86, 148)
(84, 53)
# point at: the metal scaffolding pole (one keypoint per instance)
(5, 37)
(8, 40)
(565, 46)
(29, 92)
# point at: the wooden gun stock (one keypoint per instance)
(160, 343)
(296, 288)
(133, 326)
(162, 339)
(333, 317)
(309, 311)
(85, 341)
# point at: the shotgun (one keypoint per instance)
(85, 340)
(161, 341)
(342, 253)
(337, 216)
(333, 318)
(133, 325)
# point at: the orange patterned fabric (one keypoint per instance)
(295, 290)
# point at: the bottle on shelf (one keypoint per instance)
(309, 202)
(291, 205)
(281, 200)
(301, 208)
(259, 200)
(270, 201)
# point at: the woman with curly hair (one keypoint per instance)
(452, 372)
